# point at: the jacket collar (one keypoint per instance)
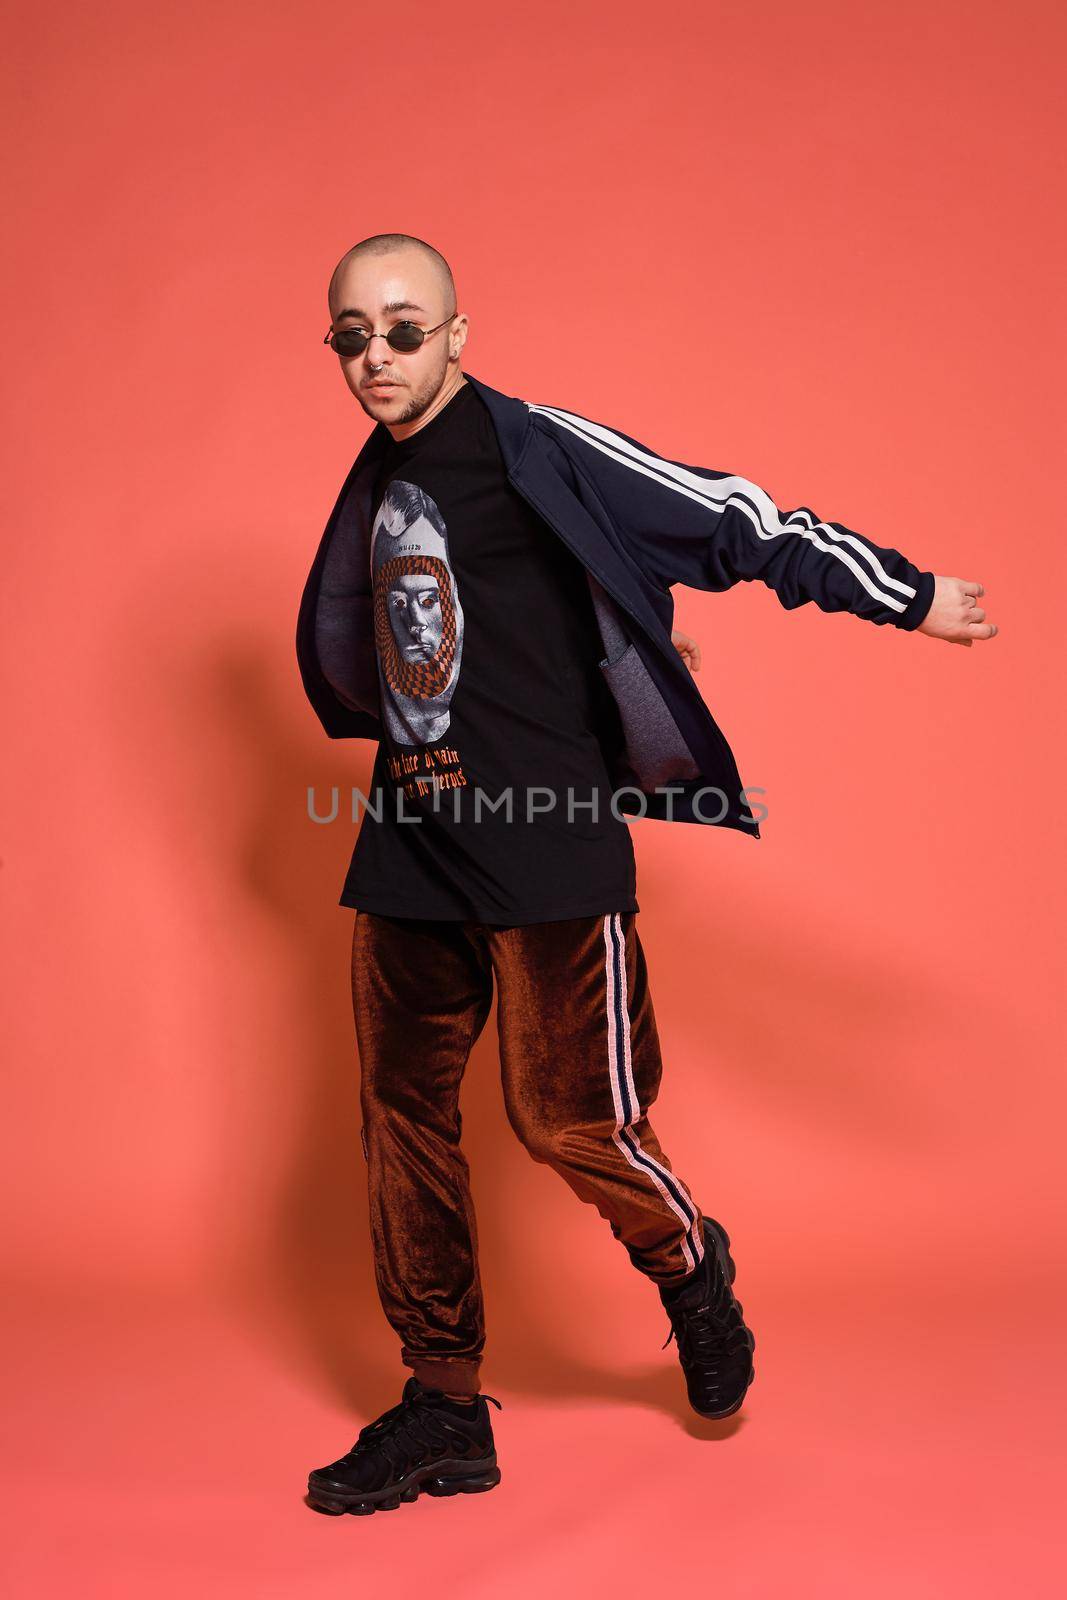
(511, 418)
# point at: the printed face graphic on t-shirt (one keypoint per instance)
(418, 623)
(414, 604)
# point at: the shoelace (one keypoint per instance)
(418, 1415)
(701, 1337)
(710, 1329)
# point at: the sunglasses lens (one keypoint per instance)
(349, 342)
(405, 337)
(353, 342)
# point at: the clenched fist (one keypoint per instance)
(955, 614)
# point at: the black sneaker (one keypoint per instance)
(423, 1445)
(714, 1345)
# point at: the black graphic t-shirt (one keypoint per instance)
(492, 699)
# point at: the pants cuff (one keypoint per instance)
(458, 1377)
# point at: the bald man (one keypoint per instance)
(497, 855)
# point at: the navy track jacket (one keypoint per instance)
(639, 523)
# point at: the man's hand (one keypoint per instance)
(689, 650)
(955, 614)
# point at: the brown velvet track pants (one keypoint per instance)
(580, 1058)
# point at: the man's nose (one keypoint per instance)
(377, 360)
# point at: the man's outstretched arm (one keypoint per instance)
(709, 530)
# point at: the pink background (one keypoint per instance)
(812, 244)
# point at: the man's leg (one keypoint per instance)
(421, 993)
(581, 1064)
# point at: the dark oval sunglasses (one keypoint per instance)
(402, 336)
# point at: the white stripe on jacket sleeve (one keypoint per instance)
(754, 503)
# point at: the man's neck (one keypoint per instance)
(405, 430)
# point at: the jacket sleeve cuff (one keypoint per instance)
(916, 609)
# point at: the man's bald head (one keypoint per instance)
(386, 244)
(382, 281)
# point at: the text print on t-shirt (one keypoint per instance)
(427, 770)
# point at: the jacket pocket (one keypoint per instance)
(655, 748)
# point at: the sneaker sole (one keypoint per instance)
(721, 1241)
(440, 1479)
